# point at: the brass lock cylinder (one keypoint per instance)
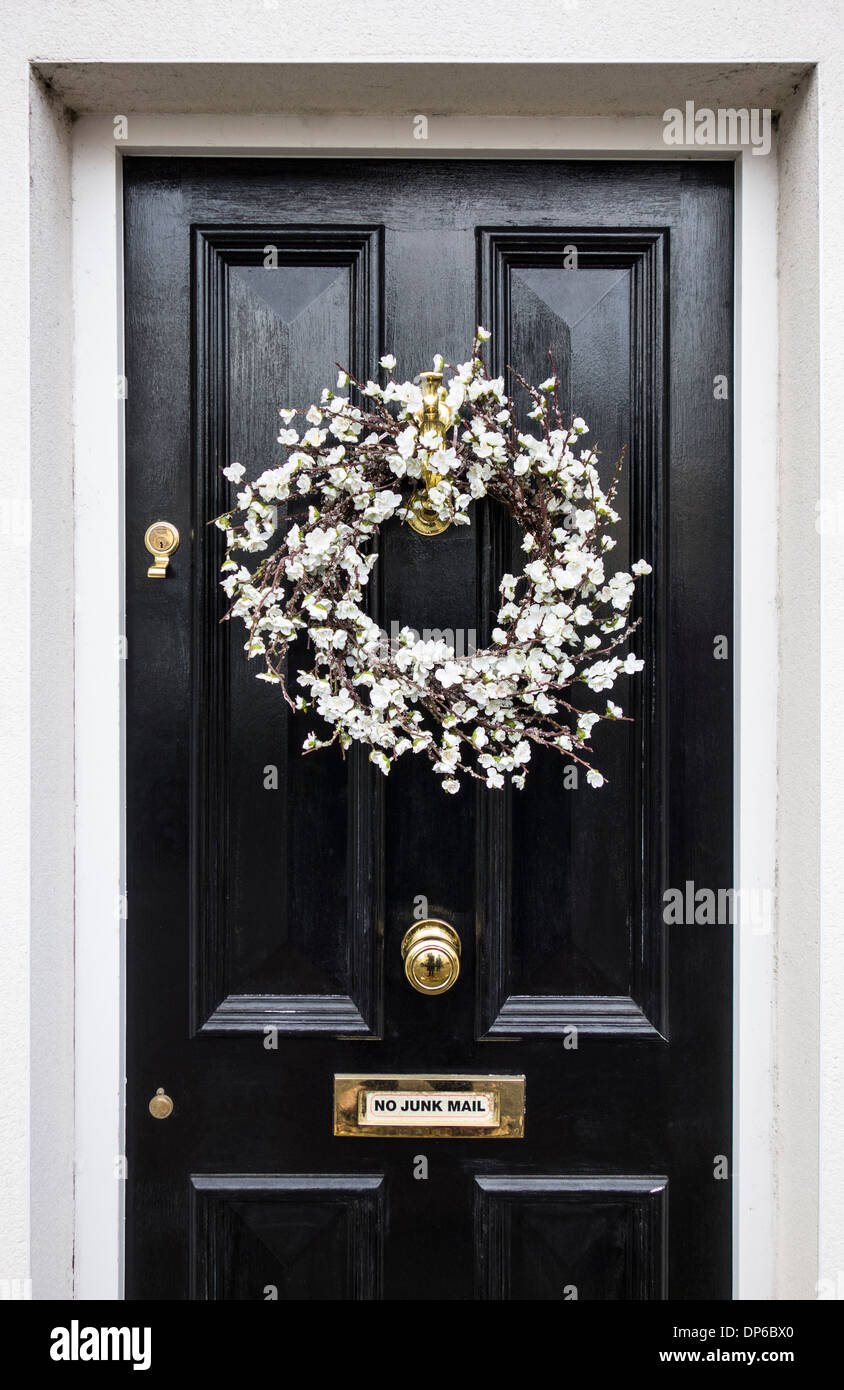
(431, 954)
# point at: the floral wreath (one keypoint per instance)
(561, 619)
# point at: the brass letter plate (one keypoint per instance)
(430, 1106)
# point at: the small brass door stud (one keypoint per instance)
(161, 1106)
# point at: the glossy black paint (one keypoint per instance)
(254, 907)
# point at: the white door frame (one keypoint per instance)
(101, 921)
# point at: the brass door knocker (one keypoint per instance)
(434, 416)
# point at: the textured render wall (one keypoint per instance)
(14, 687)
(811, 870)
(800, 782)
(51, 865)
(832, 658)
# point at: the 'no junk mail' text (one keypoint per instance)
(434, 1107)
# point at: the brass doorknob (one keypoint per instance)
(431, 954)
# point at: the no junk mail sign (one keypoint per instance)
(481, 1107)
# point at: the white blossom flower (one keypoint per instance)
(449, 674)
(314, 438)
(456, 394)
(632, 664)
(406, 442)
(619, 590)
(602, 675)
(234, 472)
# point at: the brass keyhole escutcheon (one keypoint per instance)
(161, 540)
(431, 954)
(161, 1106)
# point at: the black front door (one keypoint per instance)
(269, 893)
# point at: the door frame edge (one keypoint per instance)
(100, 553)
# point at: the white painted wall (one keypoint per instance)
(36, 885)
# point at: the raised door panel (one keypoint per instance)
(287, 848)
(286, 1237)
(570, 879)
(571, 1238)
